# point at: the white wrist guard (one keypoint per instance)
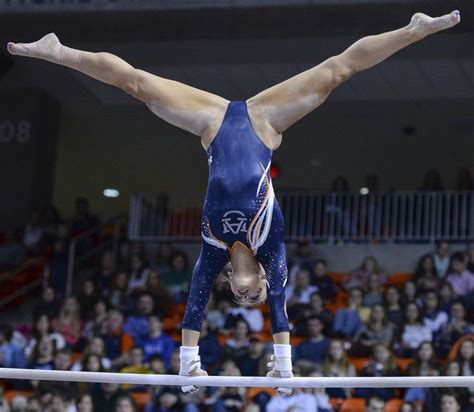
(282, 359)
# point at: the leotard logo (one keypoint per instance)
(234, 221)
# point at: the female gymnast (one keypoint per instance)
(241, 222)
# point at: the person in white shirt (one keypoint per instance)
(442, 258)
(302, 290)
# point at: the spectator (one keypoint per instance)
(382, 364)
(449, 402)
(217, 316)
(409, 407)
(125, 403)
(378, 330)
(69, 323)
(33, 235)
(135, 364)
(456, 327)
(96, 325)
(465, 357)
(62, 362)
(83, 220)
(42, 356)
(300, 401)
(138, 273)
(154, 286)
(326, 287)
(59, 260)
(137, 324)
(315, 307)
(48, 304)
(87, 297)
(59, 402)
(432, 181)
(375, 404)
(433, 317)
(374, 295)
(433, 396)
(392, 305)
(229, 399)
(163, 254)
(300, 292)
(209, 348)
(442, 258)
(104, 275)
(104, 400)
(253, 316)
(316, 346)
(424, 365)
(460, 278)
(336, 364)
(470, 256)
(425, 277)
(302, 259)
(178, 277)
(447, 297)
(118, 293)
(42, 328)
(414, 332)
(166, 400)
(11, 354)
(117, 342)
(84, 403)
(347, 322)
(360, 277)
(157, 341)
(238, 344)
(96, 346)
(409, 294)
(248, 363)
(91, 363)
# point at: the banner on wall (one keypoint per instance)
(28, 6)
(28, 133)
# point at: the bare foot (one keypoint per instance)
(47, 48)
(425, 25)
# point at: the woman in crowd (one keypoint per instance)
(392, 305)
(96, 325)
(42, 356)
(425, 277)
(42, 328)
(433, 316)
(69, 323)
(96, 347)
(382, 364)
(413, 332)
(360, 277)
(425, 364)
(118, 297)
(378, 330)
(336, 364)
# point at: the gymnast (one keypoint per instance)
(241, 221)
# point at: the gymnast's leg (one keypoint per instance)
(284, 104)
(210, 263)
(191, 109)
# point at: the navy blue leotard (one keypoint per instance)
(240, 205)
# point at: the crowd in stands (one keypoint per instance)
(126, 316)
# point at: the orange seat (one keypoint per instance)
(403, 363)
(251, 392)
(169, 323)
(296, 340)
(75, 356)
(222, 339)
(399, 278)
(337, 277)
(267, 325)
(141, 398)
(353, 405)
(393, 405)
(358, 363)
(9, 395)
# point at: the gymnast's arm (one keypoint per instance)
(285, 103)
(186, 107)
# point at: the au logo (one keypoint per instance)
(234, 221)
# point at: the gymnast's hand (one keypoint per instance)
(190, 365)
(274, 373)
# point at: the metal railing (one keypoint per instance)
(382, 216)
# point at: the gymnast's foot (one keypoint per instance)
(47, 48)
(425, 25)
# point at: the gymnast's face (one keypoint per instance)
(247, 279)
